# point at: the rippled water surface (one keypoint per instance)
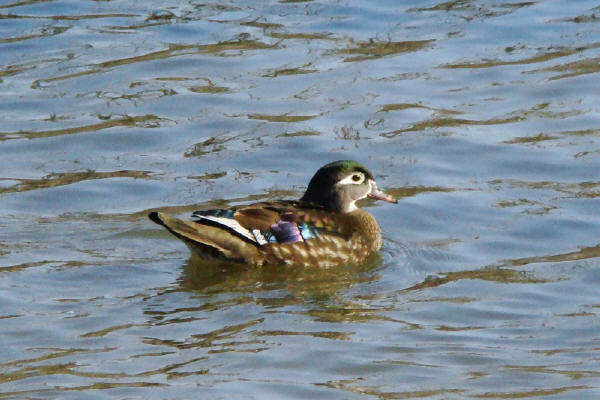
(483, 117)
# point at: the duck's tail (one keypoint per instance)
(208, 241)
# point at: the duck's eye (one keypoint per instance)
(353, 179)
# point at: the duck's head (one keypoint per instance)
(337, 186)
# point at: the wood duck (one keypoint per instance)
(324, 228)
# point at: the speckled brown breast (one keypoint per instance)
(360, 236)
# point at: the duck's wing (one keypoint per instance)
(210, 242)
(274, 222)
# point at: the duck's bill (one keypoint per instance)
(378, 194)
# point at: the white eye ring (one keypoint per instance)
(356, 178)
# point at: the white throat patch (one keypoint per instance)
(352, 207)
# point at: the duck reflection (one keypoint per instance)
(210, 277)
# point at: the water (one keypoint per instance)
(481, 116)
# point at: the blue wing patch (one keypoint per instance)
(221, 213)
(289, 232)
(307, 231)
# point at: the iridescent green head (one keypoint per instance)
(337, 186)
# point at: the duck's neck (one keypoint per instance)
(362, 223)
(329, 201)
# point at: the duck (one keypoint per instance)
(324, 228)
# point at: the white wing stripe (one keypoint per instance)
(260, 238)
(231, 224)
